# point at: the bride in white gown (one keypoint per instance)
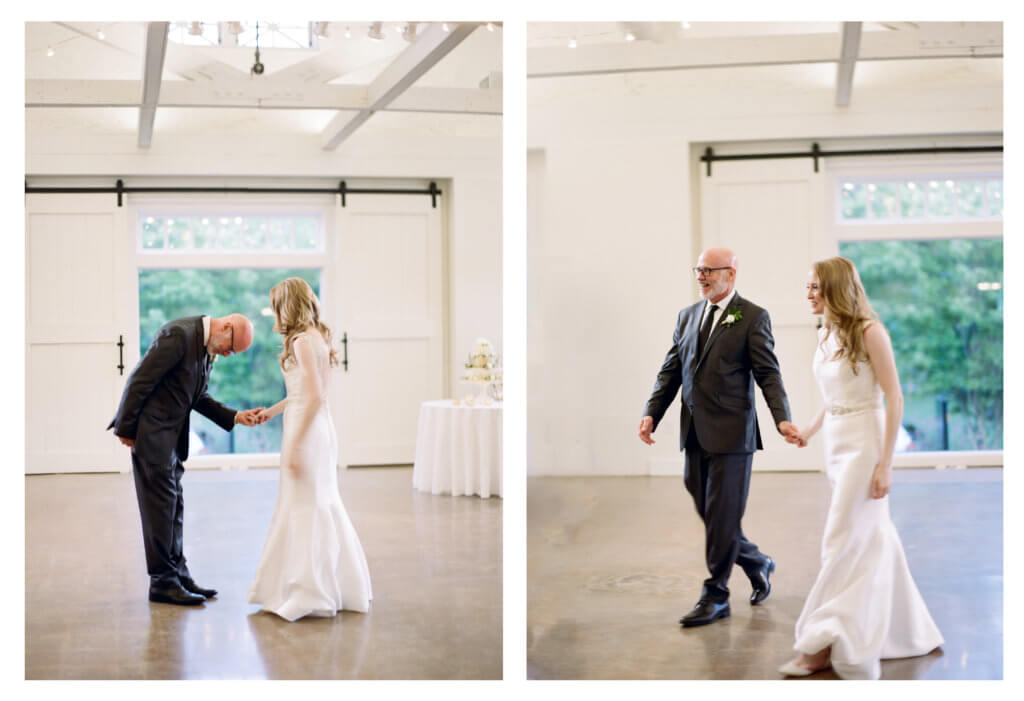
(312, 562)
(864, 605)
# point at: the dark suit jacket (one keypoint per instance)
(718, 388)
(163, 389)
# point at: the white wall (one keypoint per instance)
(614, 226)
(462, 153)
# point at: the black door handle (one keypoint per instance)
(344, 346)
(120, 344)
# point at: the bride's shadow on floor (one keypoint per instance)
(312, 647)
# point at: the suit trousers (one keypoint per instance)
(718, 483)
(162, 508)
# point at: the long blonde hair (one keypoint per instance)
(296, 310)
(847, 310)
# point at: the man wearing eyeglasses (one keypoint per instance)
(721, 346)
(153, 420)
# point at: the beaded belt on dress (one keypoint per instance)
(837, 410)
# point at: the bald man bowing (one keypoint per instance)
(721, 346)
(153, 418)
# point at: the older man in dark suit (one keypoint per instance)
(721, 346)
(153, 420)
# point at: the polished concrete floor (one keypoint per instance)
(614, 562)
(435, 563)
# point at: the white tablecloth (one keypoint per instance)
(458, 449)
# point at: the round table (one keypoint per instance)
(458, 449)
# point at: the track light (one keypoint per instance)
(376, 32)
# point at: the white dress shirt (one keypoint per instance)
(722, 305)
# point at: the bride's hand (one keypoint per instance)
(881, 481)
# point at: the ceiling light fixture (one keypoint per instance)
(50, 51)
(348, 32)
(100, 35)
(257, 67)
(376, 32)
(409, 33)
(445, 27)
(630, 36)
(572, 43)
(490, 26)
(686, 25)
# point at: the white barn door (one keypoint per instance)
(391, 303)
(75, 313)
(771, 213)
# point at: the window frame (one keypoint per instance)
(927, 168)
(192, 204)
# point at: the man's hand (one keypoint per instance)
(792, 434)
(130, 442)
(646, 426)
(250, 417)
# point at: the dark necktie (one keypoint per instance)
(705, 330)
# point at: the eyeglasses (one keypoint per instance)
(707, 271)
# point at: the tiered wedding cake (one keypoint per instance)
(482, 365)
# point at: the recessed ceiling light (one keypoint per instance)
(50, 51)
(630, 36)
(572, 43)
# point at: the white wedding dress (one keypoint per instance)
(312, 562)
(864, 603)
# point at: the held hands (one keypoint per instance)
(792, 434)
(881, 481)
(646, 425)
(251, 417)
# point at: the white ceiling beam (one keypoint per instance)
(152, 75)
(430, 46)
(722, 52)
(256, 94)
(851, 32)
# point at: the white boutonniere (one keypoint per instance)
(733, 316)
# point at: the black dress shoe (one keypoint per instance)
(760, 582)
(705, 612)
(191, 586)
(174, 594)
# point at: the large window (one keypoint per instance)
(198, 260)
(942, 303)
(241, 381)
(929, 249)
